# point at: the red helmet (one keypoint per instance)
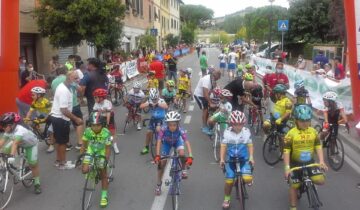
(9, 118)
(237, 117)
(217, 91)
(100, 92)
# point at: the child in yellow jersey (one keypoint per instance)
(41, 106)
(152, 81)
(301, 144)
(184, 88)
(283, 106)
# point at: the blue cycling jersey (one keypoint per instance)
(171, 138)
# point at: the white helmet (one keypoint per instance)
(38, 90)
(226, 93)
(137, 85)
(189, 70)
(153, 93)
(173, 116)
(228, 107)
(237, 117)
(330, 95)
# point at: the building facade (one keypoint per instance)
(175, 17)
(156, 21)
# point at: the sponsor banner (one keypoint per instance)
(131, 69)
(315, 84)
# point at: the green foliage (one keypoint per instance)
(194, 15)
(171, 40)
(147, 41)
(188, 34)
(69, 22)
(232, 24)
(241, 33)
(221, 36)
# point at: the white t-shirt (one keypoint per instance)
(80, 74)
(222, 58)
(63, 98)
(136, 98)
(232, 56)
(204, 82)
(230, 137)
(105, 105)
(27, 137)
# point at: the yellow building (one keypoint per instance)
(164, 20)
(156, 21)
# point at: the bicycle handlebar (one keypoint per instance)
(306, 166)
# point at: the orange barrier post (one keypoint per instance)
(9, 54)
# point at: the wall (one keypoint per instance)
(175, 16)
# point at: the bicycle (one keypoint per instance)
(154, 138)
(273, 145)
(240, 186)
(308, 187)
(219, 129)
(35, 128)
(22, 174)
(93, 177)
(117, 93)
(335, 152)
(132, 116)
(255, 118)
(180, 105)
(171, 103)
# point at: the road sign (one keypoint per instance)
(154, 31)
(283, 25)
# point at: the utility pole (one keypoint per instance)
(270, 26)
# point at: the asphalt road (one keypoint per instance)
(135, 176)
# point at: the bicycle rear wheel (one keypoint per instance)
(114, 96)
(335, 154)
(217, 139)
(122, 93)
(88, 191)
(111, 165)
(6, 186)
(28, 181)
(126, 124)
(272, 149)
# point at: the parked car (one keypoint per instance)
(264, 53)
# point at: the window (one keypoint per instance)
(141, 6)
(150, 16)
(172, 23)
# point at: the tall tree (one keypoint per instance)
(195, 15)
(171, 40)
(187, 33)
(337, 19)
(69, 22)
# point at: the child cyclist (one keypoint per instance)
(236, 143)
(157, 112)
(15, 136)
(221, 116)
(133, 100)
(169, 92)
(97, 141)
(301, 144)
(104, 107)
(184, 87)
(171, 136)
(301, 94)
(152, 81)
(41, 106)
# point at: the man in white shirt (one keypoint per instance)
(232, 63)
(222, 58)
(201, 95)
(61, 114)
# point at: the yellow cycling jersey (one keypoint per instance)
(301, 144)
(153, 83)
(41, 105)
(283, 106)
(183, 83)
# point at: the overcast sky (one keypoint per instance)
(225, 7)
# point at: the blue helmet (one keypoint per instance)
(280, 88)
(303, 112)
(299, 84)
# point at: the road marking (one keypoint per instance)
(187, 119)
(159, 201)
(191, 108)
(355, 166)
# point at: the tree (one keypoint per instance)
(70, 22)
(337, 20)
(195, 15)
(220, 36)
(172, 40)
(147, 41)
(241, 33)
(188, 34)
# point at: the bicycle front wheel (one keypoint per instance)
(241, 193)
(272, 149)
(174, 190)
(335, 154)
(88, 191)
(217, 138)
(6, 187)
(153, 145)
(314, 201)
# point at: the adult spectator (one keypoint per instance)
(61, 114)
(159, 69)
(300, 63)
(27, 75)
(54, 64)
(203, 63)
(24, 99)
(321, 59)
(78, 69)
(276, 78)
(232, 57)
(172, 73)
(202, 96)
(95, 78)
(70, 63)
(198, 48)
(339, 73)
(22, 65)
(238, 87)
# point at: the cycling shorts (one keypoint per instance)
(232, 66)
(166, 147)
(88, 158)
(31, 154)
(230, 169)
(315, 174)
(182, 93)
(154, 123)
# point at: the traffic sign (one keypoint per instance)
(154, 31)
(283, 25)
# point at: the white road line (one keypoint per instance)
(191, 108)
(159, 201)
(355, 166)
(187, 119)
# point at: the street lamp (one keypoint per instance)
(270, 26)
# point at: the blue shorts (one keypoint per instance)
(231, 66)
(155, 122)
(230, 169)
(166, 147)
(222, 65)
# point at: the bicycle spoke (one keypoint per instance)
(335, 154)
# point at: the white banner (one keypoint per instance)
(315, 84)
(123, 71)
(131, 69)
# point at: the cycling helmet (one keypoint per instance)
(184, 70)
(330, 95)
(237, 117)
(303, 112)
(100, 92)
(217, 91)
(228, 107)
(189, 70)
(226, 93)
(38, 90)
(153, 93)
(9, 118)
(279, 88)
(137, 85)
(248, 77)
(248, 66)
(171, 83)
(299, 84)
(172, 116)
(96, 118)
(240, 67)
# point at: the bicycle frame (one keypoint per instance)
(18, 173)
